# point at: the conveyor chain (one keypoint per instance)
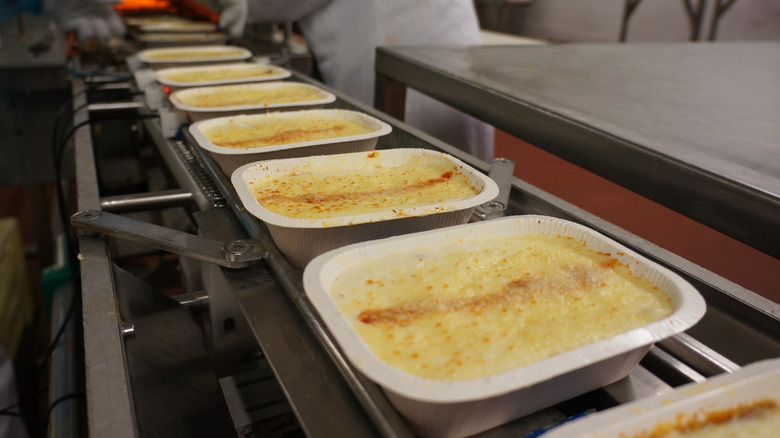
(193, 164)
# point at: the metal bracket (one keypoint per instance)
(502, 171)
(233, 254)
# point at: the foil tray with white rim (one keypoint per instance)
(165, 39)
(273, 73)
(300, 240)
(231, 158)
(198, 113)
(756, 382)
(166, 57)
(462, 407)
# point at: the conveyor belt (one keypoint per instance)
(328, 396)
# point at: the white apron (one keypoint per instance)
(343, 36)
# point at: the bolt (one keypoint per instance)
(493, 206)
(128, 331)
(90, 214)
(238, 247)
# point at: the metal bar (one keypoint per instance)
(110, 409)
(147, 201)
(197, 301)
(502, 172)
(704, 359)
(669, 368)
(236, 254)
(114, 106)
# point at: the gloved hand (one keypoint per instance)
(232, 18)
(87, 18)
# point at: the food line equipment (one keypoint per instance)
(266, 363)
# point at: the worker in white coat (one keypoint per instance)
(343, 36)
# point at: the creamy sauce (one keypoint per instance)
(760, 418)
(245, 95)
(179, 54)
(334, 192)
(213, 74)
(272, 131)
(480, 306)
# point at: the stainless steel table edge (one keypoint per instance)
(745, 213)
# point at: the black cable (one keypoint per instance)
(63, 398)
(17, 404)
(9, 407)
(69, 103)
(59, 149)
(12, 414)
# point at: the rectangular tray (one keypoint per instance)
(229, 159)
(457, 408)
(165, 39)
(203, 113)
(303, 239)
(757, 381)
(178, 27)
(275, 73)
(209, 54)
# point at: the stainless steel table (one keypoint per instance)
(692, 126)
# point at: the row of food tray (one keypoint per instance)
(465, 326)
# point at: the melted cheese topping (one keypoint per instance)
(179, 54)
(334, 192)
(140, 21)
(179, 26)
(477, 307)
(181, 37)
(245, 95)
(272, 131)
(213, 74)
(760, 418)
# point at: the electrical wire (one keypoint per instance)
(58, 149)
(64, 398)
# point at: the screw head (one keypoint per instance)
(90, 214)
(238, 247)
(493, 206)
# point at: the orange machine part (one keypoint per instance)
(185, 8)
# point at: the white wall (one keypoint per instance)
(652, 20)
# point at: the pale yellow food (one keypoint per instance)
(279, 130)
(214, 74)
(760, 418)
(179, 26)
(183, 55)
(181, 37)
(335, 191)
(483, 305)
(247, 95)
(141, 21)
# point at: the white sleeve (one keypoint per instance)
(270, 11)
